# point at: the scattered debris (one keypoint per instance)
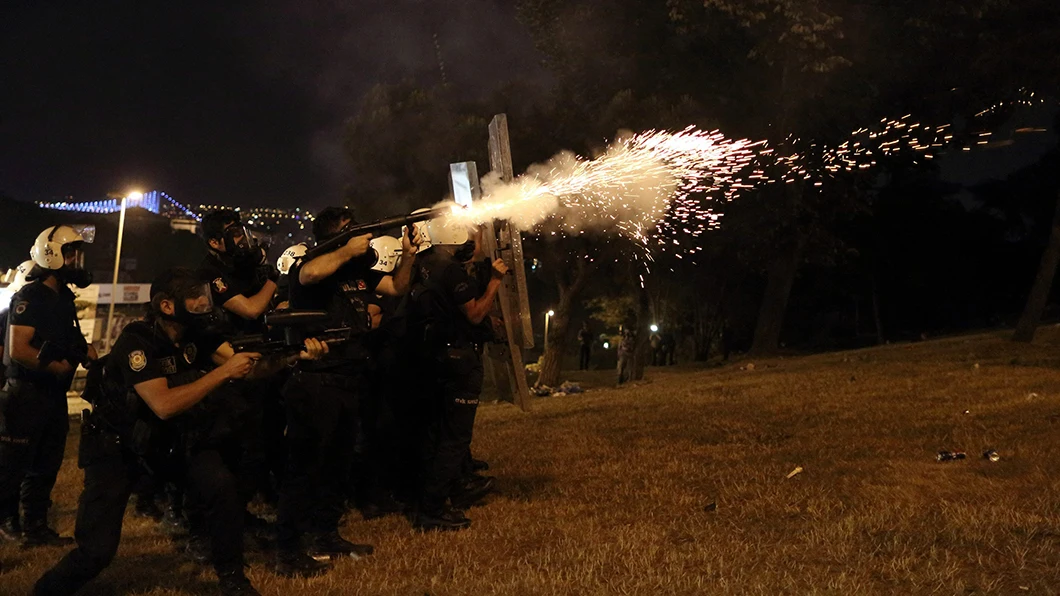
(950, 456)
(748, 366)
(567, 388)
(991, 455)
(793, 473)
(966, 412)
(1032, 396)
(1025, 588)
(975, 366)
(711, 507)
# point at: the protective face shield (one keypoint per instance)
(237, 241)
(290, 257)
(388, 251)
(196, 309)
(58, 244)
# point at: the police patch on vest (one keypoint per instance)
(169, 365)
(361, 286)
(190, 352)
(220, 286)
(21, 307)
(137, 360)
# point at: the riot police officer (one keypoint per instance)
(243, 284)
(43, 348)
(447, 310)
(152, 414)
(322, 397)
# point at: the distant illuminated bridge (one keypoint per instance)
(155, 201)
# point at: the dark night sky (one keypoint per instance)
(228, 102)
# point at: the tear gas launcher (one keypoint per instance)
(288, 331)
(351, 231)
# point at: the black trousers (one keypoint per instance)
(322, 418)
(33, 428)
(450, 406)
(583, 357)
(261, 427)
(111, 472)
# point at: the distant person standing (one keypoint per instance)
(626, 346)
(585, 338)
(668, 346)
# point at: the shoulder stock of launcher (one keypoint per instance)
(287, 332)
(370, 228)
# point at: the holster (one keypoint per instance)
(97, 443)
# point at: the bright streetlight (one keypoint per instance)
(134, 195)
(654, 328)
(548, 315)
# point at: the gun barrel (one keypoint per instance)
(375, 226)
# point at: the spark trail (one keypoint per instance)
(644, 186)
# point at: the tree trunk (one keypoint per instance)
(552, 361)
(1043, 283)
(775, 301)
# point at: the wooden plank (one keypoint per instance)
(511, 239)
(513, 306)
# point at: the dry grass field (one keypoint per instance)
(610, 492)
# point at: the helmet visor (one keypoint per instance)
(237, 238)
(199, 300)
(87, 231)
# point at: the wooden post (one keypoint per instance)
(508, 245)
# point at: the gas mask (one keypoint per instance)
(238, 246)
(196, 311)
(74, 274)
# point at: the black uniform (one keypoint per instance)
(260, 418)
(322, 401)
(34, 420)
(451, 360)
(122, 440)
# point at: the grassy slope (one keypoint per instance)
(606, 492)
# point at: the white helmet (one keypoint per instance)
(20, 276)
(291, 256)
(389, 250)
(440, 231)
(47, 250)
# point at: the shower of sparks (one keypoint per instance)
(645, 187)
(661, 189)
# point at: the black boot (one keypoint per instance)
(10, 530)
(471, 491)
(38, 533)
(295, 563)
(199, 549)
(149, 509)
(446, 519)
(478, 465)
(234, 583)
(332, 545)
